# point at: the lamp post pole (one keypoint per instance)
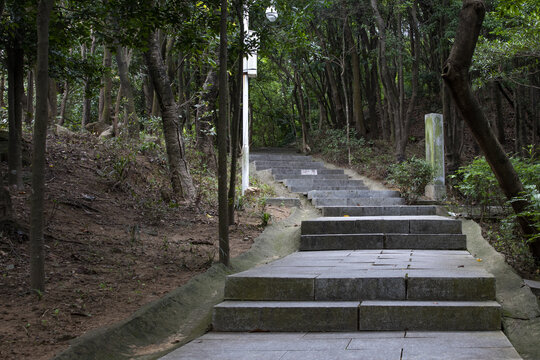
(245, 114)
(249, 68)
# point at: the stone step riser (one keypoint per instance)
(366, 201)
(331, 182)
(378, 210)
(282, 157)
(284, 178)
(306, 189)
(349, 194)
(383, 241)
(287, 166)
(281, 171)
(441, 316)
(351, 316)
(388, 285)
(388, 225)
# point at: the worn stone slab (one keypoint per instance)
(450, 285)
(395, 210)
(284, 171)
(429, 224)
(430, 315)
(375, 285)
(341, 242)
(266, 156)
(305, 189)
(425, 241)
(285, 177)
(358, 201)
(346, 194)
(325, 182)
(242, 287)
(285, 316)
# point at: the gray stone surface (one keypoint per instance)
(368, 345)
(429, 224)
(358, 201)
(316, 194)
(395, 210)
(341, 242)
(286, 316)
(430, 315)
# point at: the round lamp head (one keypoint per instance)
(271, 14)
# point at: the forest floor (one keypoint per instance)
(114, 241)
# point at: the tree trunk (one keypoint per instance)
(224, 256)
(205, 121)
(53, 102)
(29, 114)
(132, 120)
(299, 99)
(117, 110)
(15, 62)
(358, 112)
(105, 108)
(456, 76)
(37, 256)
(63, 105)
(181, 180)
(237, 116)
(2, 89)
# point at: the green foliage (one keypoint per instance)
(265, 219)
(332, 144)
(411, 177)
(478, 185)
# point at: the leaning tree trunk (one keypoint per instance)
(181, 180)
(105, 108)
(358, 112)
(456, 76)
(37, 257)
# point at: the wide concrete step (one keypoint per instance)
(429, 224)
(359, 201)
(306, 165)
(396, 210)
(368, 315)
(332, 285)
(285, 171)
(285, 177)
(378, 315)
(306, 189)
(258, 316)
(281, 156)
(324, 182)
(320, 242)
(349, 194)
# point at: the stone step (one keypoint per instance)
(368, 315)
(378, 210)
(356, 285)
(379, 315)
(283, 156)
(349, 194)
(308, 188)
(383, 241)
(284, 177)
(256, 316)
(359, 201)
(324, 182)
(428, 224)
(285, 171)
(305, 165)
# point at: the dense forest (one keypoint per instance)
(349, 80)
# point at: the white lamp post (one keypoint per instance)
(250, 70)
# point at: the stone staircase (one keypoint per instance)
(370, 263)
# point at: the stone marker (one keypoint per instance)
(435, 155)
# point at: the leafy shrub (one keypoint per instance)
(332, 144)
(411, 177)
(478, 185)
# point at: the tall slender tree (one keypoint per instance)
(37, 256)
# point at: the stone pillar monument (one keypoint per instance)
(435, 155)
